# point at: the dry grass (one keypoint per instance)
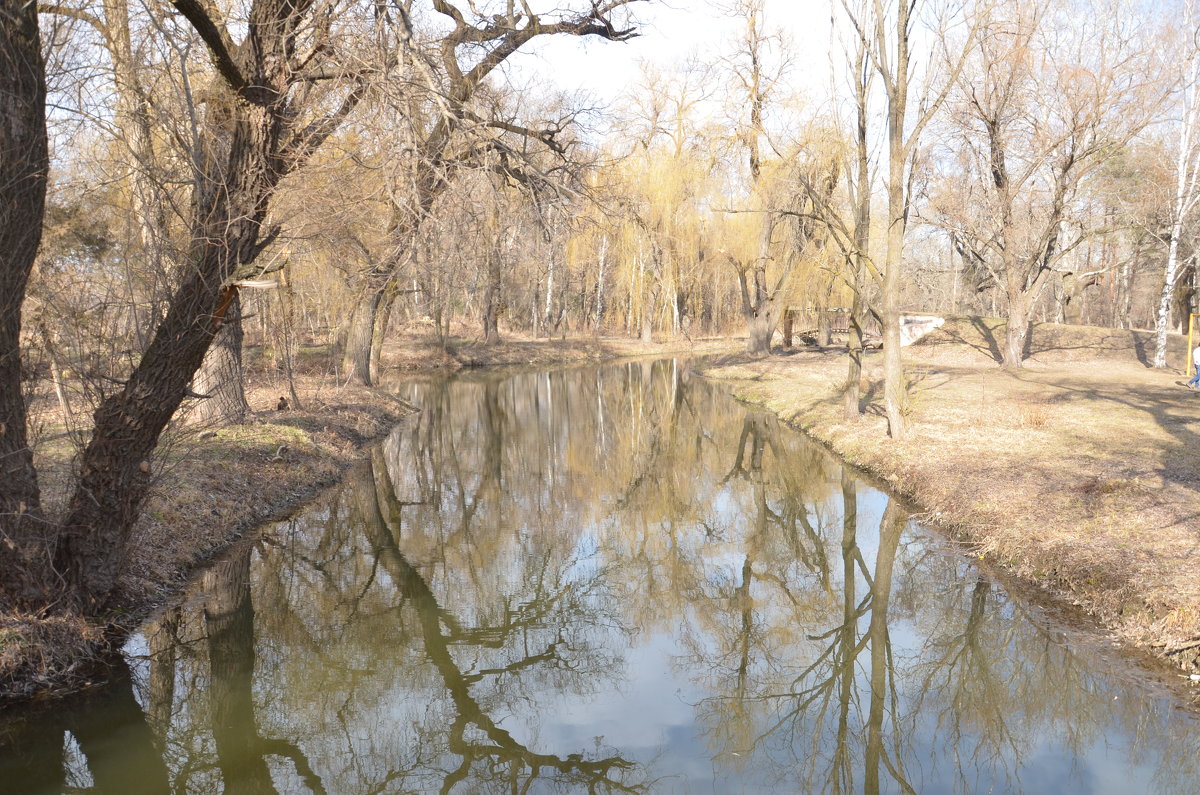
(215, 484)
(417, 349)
(1080, 475)
(38, 655)
(212, 485)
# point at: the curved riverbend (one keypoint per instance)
(613, 579)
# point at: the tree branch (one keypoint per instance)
(220, 47)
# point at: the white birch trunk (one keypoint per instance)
(1185, 189)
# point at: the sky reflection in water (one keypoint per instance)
(610, 579)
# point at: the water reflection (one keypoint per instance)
(608, 579)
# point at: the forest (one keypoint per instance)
(183, 181)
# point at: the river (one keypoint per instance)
(604, 579)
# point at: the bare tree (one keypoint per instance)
(266, 102)
(24, 165)
(1035, 128)
(888, 33)
(1187, 177)
(759, 66)
(452, 68)
(858, 183)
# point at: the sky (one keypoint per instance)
(671, 31)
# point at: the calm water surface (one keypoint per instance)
(611, 579)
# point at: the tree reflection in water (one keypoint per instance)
(604, 579)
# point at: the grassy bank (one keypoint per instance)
(1079, 474)
(419, 351)
(211, 486)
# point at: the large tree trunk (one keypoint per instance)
(231, 202)
(894, 388)
(824, 328)
(761, 327)
(24, 163)
(115, 468)
(1017, 330)
(220, 376)
(357, 350)
(383, 318)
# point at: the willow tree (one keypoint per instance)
(758, 65)
(666, 161)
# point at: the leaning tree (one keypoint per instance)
(279, 92)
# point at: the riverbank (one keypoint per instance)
(418, 351)
(215, 484)
(212, 485)
(1079, 474)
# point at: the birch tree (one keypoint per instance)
(1187, 175)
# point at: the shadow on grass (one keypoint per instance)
(985, 335)
(1172, 411)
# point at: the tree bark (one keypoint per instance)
(491, 300)
(383, 318)
(24, 166)
(358, 348)
(648, 309)
(220, 376)
(851, 398)
(1016, 332)
(761, 327)
(894, 388)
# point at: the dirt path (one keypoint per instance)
(1082, 477)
